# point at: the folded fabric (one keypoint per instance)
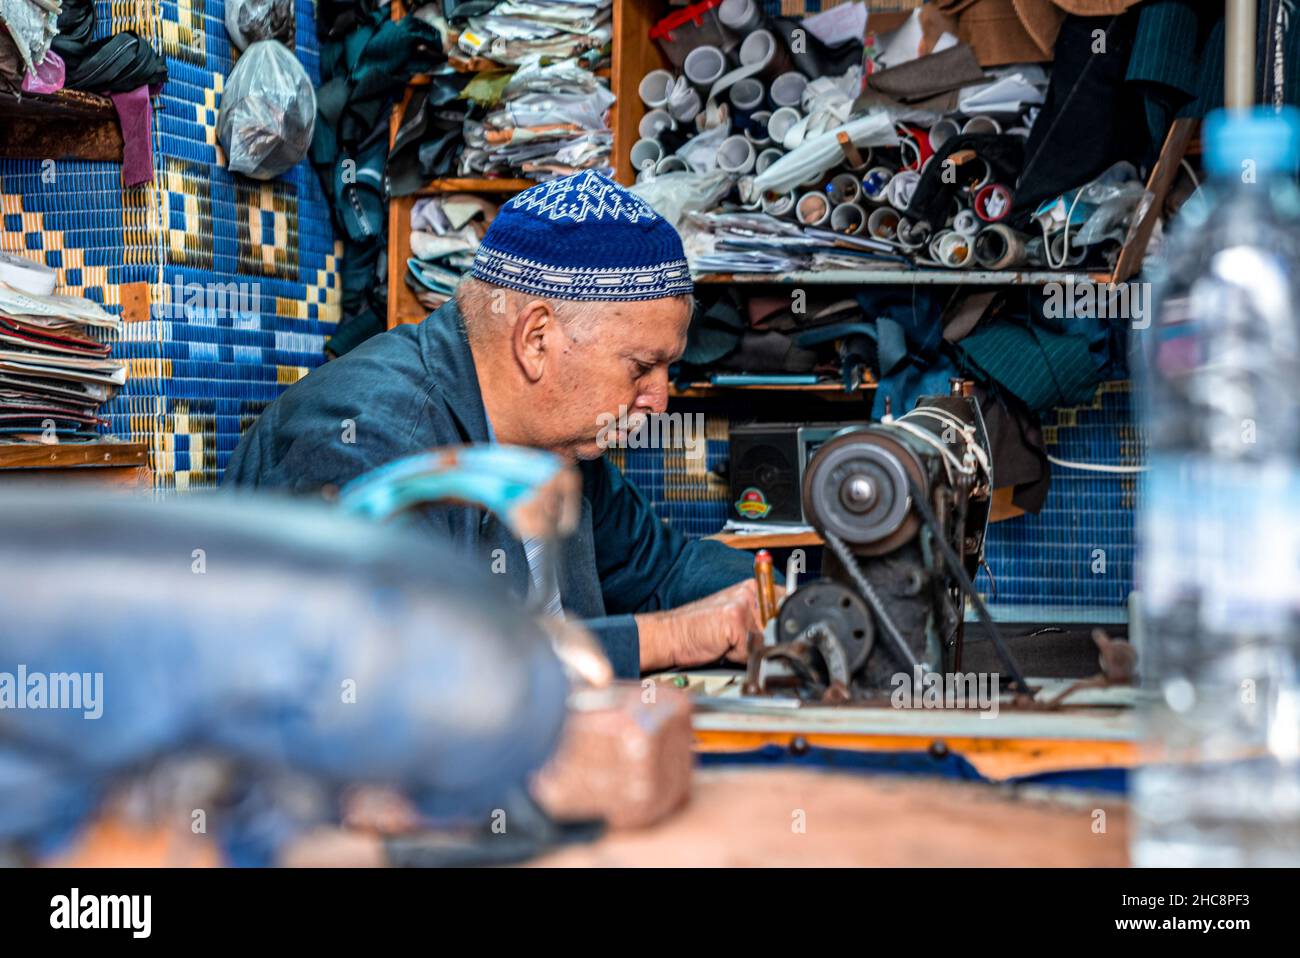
(135, 114)
(926, 83)
(117, 64)
(932, 201)
(76, 27)
(1016, 448)
(1004, 31)
(1040, 368)
(813, 58)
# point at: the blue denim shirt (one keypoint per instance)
(415, 388)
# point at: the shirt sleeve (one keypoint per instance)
(644, 564)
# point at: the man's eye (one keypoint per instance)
(642, 369)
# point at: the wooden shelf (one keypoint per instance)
(463, 184)
(72, 455)
(906, 277)
(779, 540)
(67, 125)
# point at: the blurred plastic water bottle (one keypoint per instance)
(1220, 524)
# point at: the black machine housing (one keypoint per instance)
(889, 598)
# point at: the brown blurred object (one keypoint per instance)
(625, 757)
(784, 817)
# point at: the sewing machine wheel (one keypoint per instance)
(857, 488)
(837, 607)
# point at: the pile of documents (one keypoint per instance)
(551, 121)
(514, 33)
(54, 375)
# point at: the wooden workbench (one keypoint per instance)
(750, 817)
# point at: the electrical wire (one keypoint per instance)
(1096, 466)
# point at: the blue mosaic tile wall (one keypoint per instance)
(198, 376)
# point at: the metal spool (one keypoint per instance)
(857, 488)
(836, 606)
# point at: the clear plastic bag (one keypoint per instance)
(268, 112)
(248, 21)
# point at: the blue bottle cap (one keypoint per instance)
(1263, 136)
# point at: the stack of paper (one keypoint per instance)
(551, 121)
(54, 376)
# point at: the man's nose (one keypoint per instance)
(654, 395)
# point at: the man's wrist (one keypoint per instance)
(654, 636)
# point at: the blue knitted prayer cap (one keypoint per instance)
(583, 237)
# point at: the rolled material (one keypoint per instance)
(686, 106)
(901, 188)
(966, 223)
(883, 223)
(844, 188)
(935, 241)
(974, 174)
(761, 51)
(655, 87)
(1060, 253)
(787, 89)
(1000, 247)
(813, 209)
(703, 67)
(736, 155)
(778, 204)
(912, 236)
(671, 164)
(981, 124)
(740, 16)
(992, 202)
(943, 131)
(875, 184)
(868, 156)
(645, 154)
(956, 251)
(756, 130)
(747, 95)
(849, 218)
(781, 122)
(654, 123)
(766, 159)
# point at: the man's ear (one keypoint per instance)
(533, 322)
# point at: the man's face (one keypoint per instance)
(616, 361)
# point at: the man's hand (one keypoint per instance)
(702, 632)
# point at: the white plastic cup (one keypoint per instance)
(704, 66)
(778, 204)
(781, 122)
(654, 123)
(844, 188)
(766, 159)
(956, 251)
(739, 16)
(736, 155)
(813, 209)
(646, 154)
(747, 94)
(875, 184)
(981, 124)
(883, 223)
(787, 89)
(654, 88)
(943, 131)
(671, 164)
(849, 218)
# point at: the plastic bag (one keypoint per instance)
(268, 112)
(248, 21)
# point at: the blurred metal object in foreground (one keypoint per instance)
(278, 634)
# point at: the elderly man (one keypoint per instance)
(579, 300)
